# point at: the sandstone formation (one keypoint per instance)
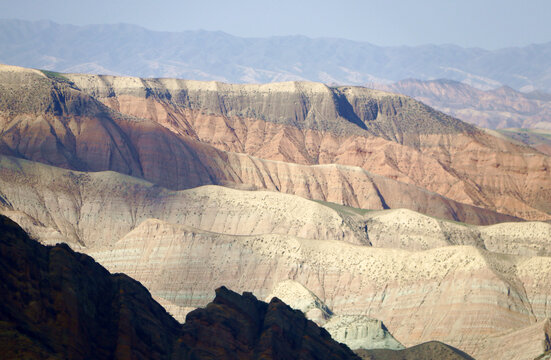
(94, 209)
(182, 134)
(300, 298)
(251, 241)
(129, 171)
(539, 139)
(60, 304)
(88, 210)
(93, 138)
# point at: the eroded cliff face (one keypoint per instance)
(94, 138)
(182, 134)
(91, 209)
(428, 350)
(310, 123)
(457, 294)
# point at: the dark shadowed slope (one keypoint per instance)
(58, 304)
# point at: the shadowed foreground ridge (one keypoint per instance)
(59, 304)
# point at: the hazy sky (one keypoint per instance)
(485, 23)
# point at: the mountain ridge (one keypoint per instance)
(143, 130)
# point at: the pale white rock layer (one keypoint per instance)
(361, 332)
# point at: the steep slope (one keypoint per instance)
(207, 55)
(356, 331)
(91, 209)
(300, 298)
(361, 332)
(68, 134)
(495, 109)
(310, 123)
(60, 304)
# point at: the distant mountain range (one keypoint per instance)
(205, 55)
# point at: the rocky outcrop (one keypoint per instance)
(300, 298)
(95, 209)
(241, 327)
(424, 278)
(59, 304)
(539, 139)
(416, 293)
(356, 331)
(56, 303)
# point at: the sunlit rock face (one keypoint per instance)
(181, 134)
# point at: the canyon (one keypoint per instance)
(419, 275)
(382, 219)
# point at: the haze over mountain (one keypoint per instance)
(495, 109)
(203, 55)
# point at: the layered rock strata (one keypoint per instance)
(430, 350)
(418, 295)
(310, 123)
(181, 134)
(496, 109)
(446, 277)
